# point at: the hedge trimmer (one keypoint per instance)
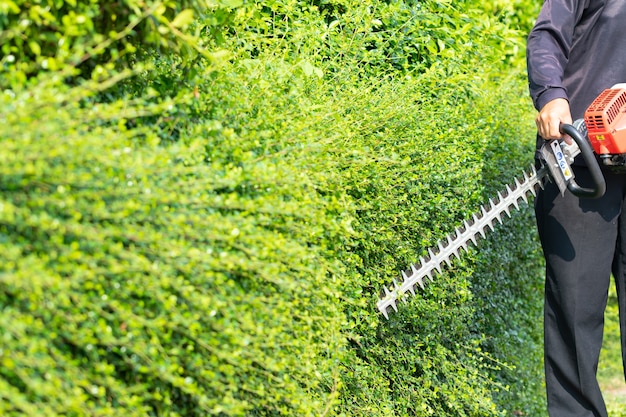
(603, 131)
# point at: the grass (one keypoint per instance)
(610, 372)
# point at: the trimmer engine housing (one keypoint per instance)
(605, 119)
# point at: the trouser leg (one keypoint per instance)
(578, 237)
(619, 274)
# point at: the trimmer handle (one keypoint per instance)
(599, 185)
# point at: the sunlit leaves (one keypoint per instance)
(197, 237)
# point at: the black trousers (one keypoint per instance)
(584, 241)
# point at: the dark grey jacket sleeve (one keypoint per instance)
(548, 49)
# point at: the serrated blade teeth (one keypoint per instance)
(420, 282)
(469, 232)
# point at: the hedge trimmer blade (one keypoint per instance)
(470, 231)
(557, 157)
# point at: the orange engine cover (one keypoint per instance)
(605, 119)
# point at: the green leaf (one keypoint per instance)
(231, 3)
(183, 19)
(34, 47)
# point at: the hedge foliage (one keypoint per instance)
(200, 202)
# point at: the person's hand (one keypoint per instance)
(551, 116)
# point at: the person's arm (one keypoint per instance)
(547, 54)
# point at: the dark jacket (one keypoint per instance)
(576, 49)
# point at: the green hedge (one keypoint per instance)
(89, 39)
(207, 234)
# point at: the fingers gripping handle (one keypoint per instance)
(599, 185)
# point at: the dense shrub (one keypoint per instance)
(156, 282)
(207, 234)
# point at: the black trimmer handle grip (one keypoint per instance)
(599, 185)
